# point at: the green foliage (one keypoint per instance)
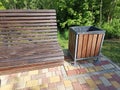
(102, 13)
(112, 28)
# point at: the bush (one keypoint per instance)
(112, 29)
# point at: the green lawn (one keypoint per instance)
(111, 48)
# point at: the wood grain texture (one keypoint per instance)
(80, 45)
(94, 41)
(28, 37)
(89, 45)
(84, 46)
(98, 44)
(72, 40)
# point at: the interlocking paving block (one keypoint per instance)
(91, 69)
(98, 68)
(54, 79)
(118, 73)
(3, 80)
(44, 85)
(105, 81)
(115, 84)
(84, 65)
(98, 82)
(69, 88)
(81, 80)
(48, 74)
(61, 87)
(27, 78)
(31, 83)
(76, 86)
(87, 77)
(67, 83)
(91, 83)
(90, 65)
(33, 72)
(85, 86)
(7, 87)
(107, 75)
(20, 85)
(35, 88)
(45, 70)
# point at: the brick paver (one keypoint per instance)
(85, 76)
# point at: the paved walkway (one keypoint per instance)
(85, 76)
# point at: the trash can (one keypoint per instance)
(85, 42)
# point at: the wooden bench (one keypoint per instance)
(28, 39)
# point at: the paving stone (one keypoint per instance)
(54, 79)
(102, 87)
(105, 81)
(53, 74)
(85, 86)
(3, 80)
(7, 87)
(31, 83)
(58, 72)
(91, 83)
(39, 81)
(24, 73)
(98, 82)
(90, 65)
(45, 85)
(61, 87)
(33, 72)
(81, 80)
(115, 84)
(82, 70)
(67, 83)
(69, 88)
(91, 69)
(108, 66)
(27, 78)
(84, 65)
(45, 80)
(45, 70)
(48, 74)
(76, 86)
(71, 68)
(35, 87)
(118, 73)
(111, 88)
(74, 80)
(95, 77)
(51, 85)
(87, 77)
(116, 78)
(98, 68)
(107, 75)
(20, 85)
(71, 72)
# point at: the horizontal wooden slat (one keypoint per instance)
(29, 11)
(29, 21)
(27, 25)
(26, 14)
(28, 18)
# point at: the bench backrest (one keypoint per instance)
(27, 26)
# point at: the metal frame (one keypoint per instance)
(76, 46)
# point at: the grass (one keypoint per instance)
(110, 48)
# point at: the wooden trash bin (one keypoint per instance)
(85, 42)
